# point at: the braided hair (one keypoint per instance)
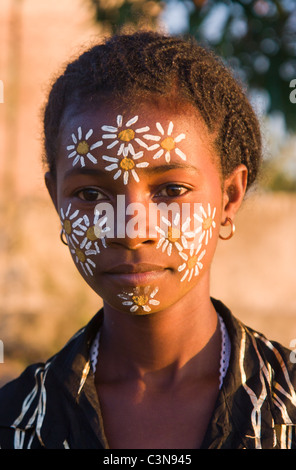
(151, 63)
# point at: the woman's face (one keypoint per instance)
(139, 194)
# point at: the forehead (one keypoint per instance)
(161, 131)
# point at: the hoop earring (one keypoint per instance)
(227, 221)
(62, 238)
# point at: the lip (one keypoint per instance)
(134, 268)
(136, 274)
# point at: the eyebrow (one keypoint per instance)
(151, 169)
(84, 171)
(171, 166)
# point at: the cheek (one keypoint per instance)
(197, 242)
(81, 231)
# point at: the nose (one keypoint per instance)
(131, 225)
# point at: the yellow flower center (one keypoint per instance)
(80, 255)
(82, 148)
(168, 144)
(90, 233)
(207, 223)
(127, 163)
(67, 226)
(140, 300)
(126, 135)
(192, 262)
(173, 234)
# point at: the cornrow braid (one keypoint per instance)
(148, 62)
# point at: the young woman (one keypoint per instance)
(150, 146)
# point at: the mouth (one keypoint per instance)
(136, 274)
(135, 268)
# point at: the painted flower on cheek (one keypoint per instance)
(140, 299)
(192, 262)
(207, 223)
(72, 224)
(82, 258)
(166, 143)
(83, 236)
(80, 149)
(94, 232)
(173, 235)
(125, 166)
(124, 135)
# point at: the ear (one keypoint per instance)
(234, 191)
(51, 185)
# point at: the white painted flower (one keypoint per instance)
(174, 235)
(207, 223)
(82, 258)
(192, 262)
(139, 299)
(94, 232)
(71, 223)
(80, 149)
(124, 166)
(166, 143)
(124, 135)
(99, 230)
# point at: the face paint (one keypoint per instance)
(125, 166)
(124, 136)
(72, 227)
(140, 299)
(166, 143)
(81, 148)
(91, 237)
(81, 258)
(173, 235)
(83, 237)
(99, 231)
(207, 223)
(193, 264)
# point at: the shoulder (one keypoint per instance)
(29, 401)
(260, 383)
(271, 388)
(255, 351)
(17, 398)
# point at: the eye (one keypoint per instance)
(172, 190)
(90, 194)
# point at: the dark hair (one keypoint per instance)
(148, 62)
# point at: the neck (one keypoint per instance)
(134, 346)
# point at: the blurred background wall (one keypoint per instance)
(43, 300)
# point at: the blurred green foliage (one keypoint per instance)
(276, 178)
(257, 37)
(282, 182)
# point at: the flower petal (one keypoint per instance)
(132, 121)
(109, 129)
(180, 153)
(96, 145)
(89, 133)
(111, 167)
(170, 128)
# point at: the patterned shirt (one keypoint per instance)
(55, 405)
